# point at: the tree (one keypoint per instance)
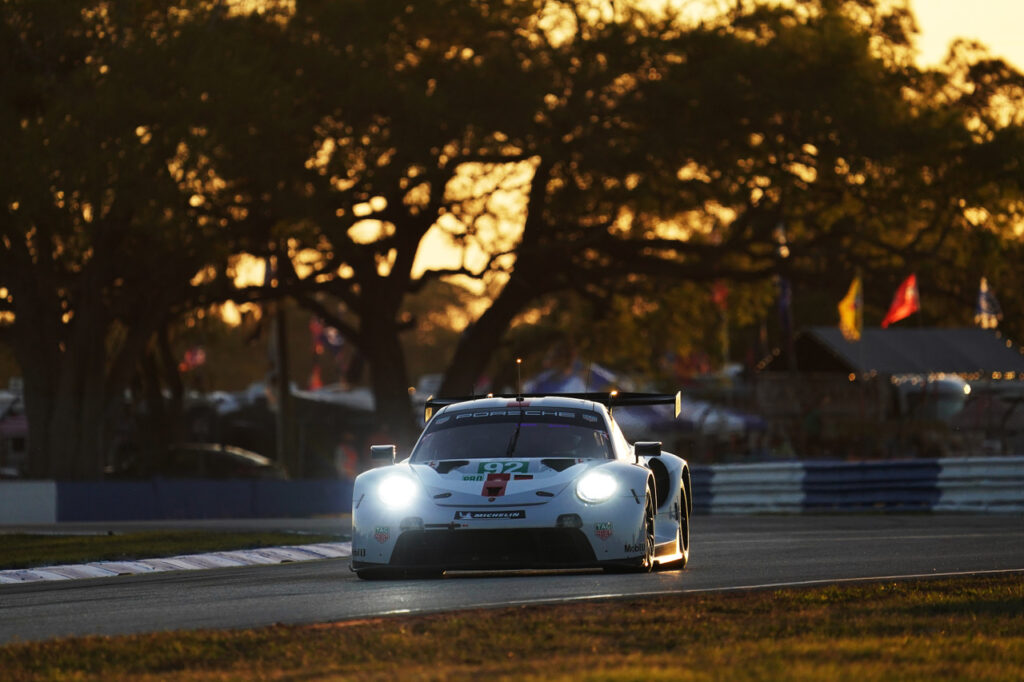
(656, 151)
(810, 118)
(407, 93)
(107, 188)
(649, 158)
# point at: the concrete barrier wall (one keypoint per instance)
(28, 502)
(977, 484)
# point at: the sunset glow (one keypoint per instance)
(995, 23)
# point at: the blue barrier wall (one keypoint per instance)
(163, 498)
(700, 480)
(896, 486)
(974, 484)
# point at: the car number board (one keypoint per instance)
(503, 467)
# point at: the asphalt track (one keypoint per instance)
(728, 553)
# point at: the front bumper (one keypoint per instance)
(494, 549)
(544, 536)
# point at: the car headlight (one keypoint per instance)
(595, 487)
(396, 491)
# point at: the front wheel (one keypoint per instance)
(645, 563)
(649, 540)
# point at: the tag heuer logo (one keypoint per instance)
(382, 534)
(603, 530)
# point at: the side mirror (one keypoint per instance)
(647, 448)
(383, 452)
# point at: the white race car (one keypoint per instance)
(524, 481)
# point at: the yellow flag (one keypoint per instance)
(851, 312)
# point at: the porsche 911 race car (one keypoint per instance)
(526, 481)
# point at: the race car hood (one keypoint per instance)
(500, 481)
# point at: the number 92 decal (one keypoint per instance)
(502, 467)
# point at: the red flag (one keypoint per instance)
(315, 380)
(194, 357)
(904, 303)
(316, 332)
(720, 295)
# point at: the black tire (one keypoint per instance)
(647, 565)
(684, 534)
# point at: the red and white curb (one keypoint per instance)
(185, 562)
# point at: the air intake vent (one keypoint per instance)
(558, 464)
(444, 466)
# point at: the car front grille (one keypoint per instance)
(494, 549)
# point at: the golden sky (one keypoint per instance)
(999, 24)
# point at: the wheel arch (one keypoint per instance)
(687, 483)
(661, 479)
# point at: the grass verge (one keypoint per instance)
(963, 629)
(26, 550)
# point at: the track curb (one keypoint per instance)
(185, 562)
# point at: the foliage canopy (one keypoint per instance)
(592, 160)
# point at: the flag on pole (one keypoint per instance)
(987, 313)
(785, 307)
(194, 357)
(316, 381)
(851, 312)
(720, 295)
(905, 303)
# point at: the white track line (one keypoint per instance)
(699, 590)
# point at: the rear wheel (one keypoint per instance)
(683, 510)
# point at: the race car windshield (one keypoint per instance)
(514, 432)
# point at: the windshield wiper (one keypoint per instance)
(515, 436)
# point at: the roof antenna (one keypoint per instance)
(519, 380)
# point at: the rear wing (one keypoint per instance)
(610, 399)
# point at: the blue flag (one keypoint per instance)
(987, 312)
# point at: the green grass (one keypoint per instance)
(26, 551)
(962, 629)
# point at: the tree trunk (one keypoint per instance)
(73, 376)
(481, 339)
(389, 378)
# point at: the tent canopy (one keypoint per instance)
(903, 351)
